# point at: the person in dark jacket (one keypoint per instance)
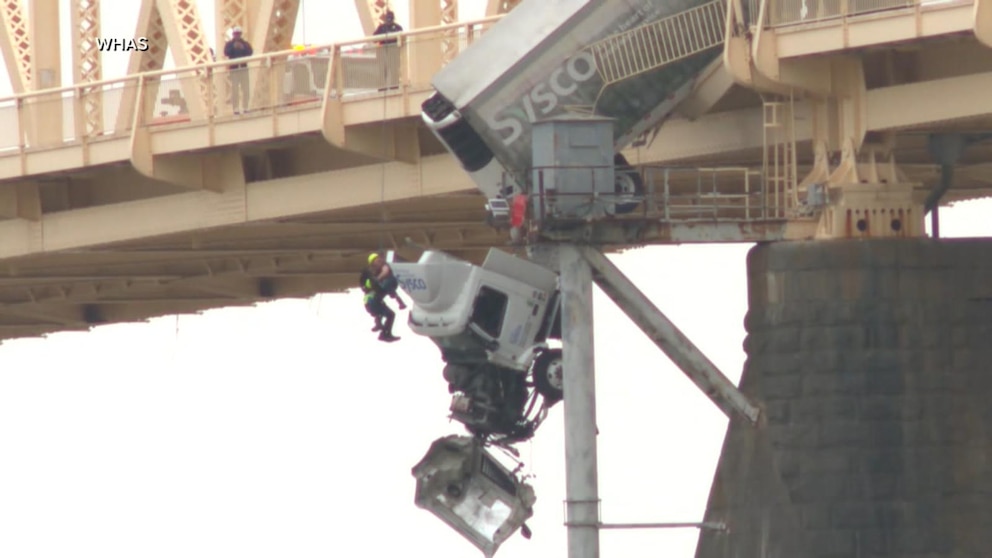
(236, 48)
(388, 53)
(377, 282)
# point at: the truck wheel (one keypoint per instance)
(549, 375)
(627, 183)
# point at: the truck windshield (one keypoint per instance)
(490, 306)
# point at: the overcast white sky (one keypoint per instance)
(288, 430)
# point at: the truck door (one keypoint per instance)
(488, 313)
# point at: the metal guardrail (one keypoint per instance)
(660, 43)
(657, 193)
(794, 12)
(279, 80)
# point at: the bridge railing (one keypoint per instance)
(795, 12)
(95, 111)
(653, 192)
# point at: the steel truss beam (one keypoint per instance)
(86, 66)
(188, 43)
(228, 14)
(274, 29)
(668, 338)
(370, 13)
(449, 42)
(273, 32)
(168, 25)
(496, 7)
(150, 26)
(15, 44)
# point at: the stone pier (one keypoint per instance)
(873, 363)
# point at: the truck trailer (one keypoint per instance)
(629, 60)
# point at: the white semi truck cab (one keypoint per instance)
(496, 326)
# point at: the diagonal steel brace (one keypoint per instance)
(667, 336)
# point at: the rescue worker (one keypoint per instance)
(377, 282)
(388, 53)
(236, 48)
(387, 281)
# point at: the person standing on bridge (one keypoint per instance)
(236, 48)
(377, 282)
(388, 54)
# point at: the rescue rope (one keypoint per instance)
(384, 73)
(382, 169)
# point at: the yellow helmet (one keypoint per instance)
(372, 257)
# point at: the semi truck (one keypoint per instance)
(630, 60)
(498, 327)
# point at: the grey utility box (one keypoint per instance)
(573, 174)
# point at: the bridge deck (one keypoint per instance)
(171, 203)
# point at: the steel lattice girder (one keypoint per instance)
(496, 7)
(150, 26)
(370, 12)
(188, 44)
(449, 44)
(273, 32)
(15, 44)
(86, 64)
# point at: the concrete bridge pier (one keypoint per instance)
(873, 360)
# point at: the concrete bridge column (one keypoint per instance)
(874, 363)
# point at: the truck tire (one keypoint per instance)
(548, 375)
(627, 181)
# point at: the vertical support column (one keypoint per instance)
(581, 468)
(424, 54)
(15, 44)
(86, 66)
(46, 71)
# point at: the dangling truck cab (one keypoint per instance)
(496, 325)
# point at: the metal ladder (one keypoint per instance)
(779, 158)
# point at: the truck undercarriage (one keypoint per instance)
(500, 405)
